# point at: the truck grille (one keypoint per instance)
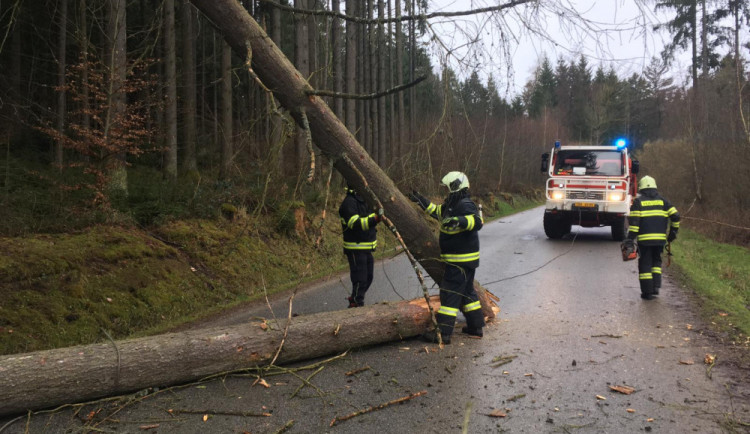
(588, 195)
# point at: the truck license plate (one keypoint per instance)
(584, 205)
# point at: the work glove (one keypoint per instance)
(420, 200)
(450, 223)
(672, 236)
(379, 216)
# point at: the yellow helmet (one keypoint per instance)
(646, 182)
(455, 181)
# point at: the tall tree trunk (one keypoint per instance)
(381, 53)
(189, 87)
(362, 111)
(227, 132)
(366, 71)
(392, 124)
(61, 94)
(412, 67)
(351, 66)
(400, 126)
(329, 134)
(704, 40)
(694, 40)
(302, 61)
(83, 42)
(170, 163)
(372, 58)
(338, 70)
(116, 30)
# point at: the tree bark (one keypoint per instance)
(61, 65)
(189, 90)
(400, 125)
(302, 60)
(48, 378)
(351, 66)
(329, 134)
(116, 29)
(226, 110)
(338, 69)
(170, 164)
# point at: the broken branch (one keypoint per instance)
(378, 407)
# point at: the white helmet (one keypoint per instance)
(455, 181)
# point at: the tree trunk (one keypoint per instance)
(226, 110)
(116, 23)
(170, 163)
(329, 134)
(381, 53)
(338, 69)
(61, 65)
(302, 60)
(83, 41)
(351, 66)
(189, 87)
(400, 126)
(87, 372)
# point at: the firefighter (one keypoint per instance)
(650, 217)
(360, 239)
(459, 250)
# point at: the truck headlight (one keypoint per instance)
(615, 196)
(558, 195)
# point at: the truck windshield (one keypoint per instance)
(584, 162)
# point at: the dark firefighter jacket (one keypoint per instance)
(650, 215)
(358, 223)
(459, 246)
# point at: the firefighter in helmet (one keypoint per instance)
(459, 250)
(360, 239)
(650, 217)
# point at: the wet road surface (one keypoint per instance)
(571, 325)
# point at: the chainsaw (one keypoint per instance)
(629, 250)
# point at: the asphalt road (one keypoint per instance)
(571, 325)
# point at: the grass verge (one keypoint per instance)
(720, 275)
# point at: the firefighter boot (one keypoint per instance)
(474, 323)
(431, 337)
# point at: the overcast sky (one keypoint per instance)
(610, 32)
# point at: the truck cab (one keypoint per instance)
(590, 186)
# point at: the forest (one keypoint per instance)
(139, 111)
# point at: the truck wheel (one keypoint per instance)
(555, 227)
(619, 229)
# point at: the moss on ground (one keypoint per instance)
(67, 289)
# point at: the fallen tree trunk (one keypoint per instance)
(48, 378)
(276, 72)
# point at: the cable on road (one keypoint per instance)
(541, 266)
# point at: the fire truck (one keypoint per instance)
(589, 186)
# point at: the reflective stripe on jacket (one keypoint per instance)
(357, 223)
(459, 246)
(650, 217)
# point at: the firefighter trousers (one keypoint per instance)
(361, 266)
(649, 269)
(457, 293)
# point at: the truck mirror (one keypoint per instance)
(636, 166)
(545, 161)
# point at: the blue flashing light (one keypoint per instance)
(621, 143)
(557, 144)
